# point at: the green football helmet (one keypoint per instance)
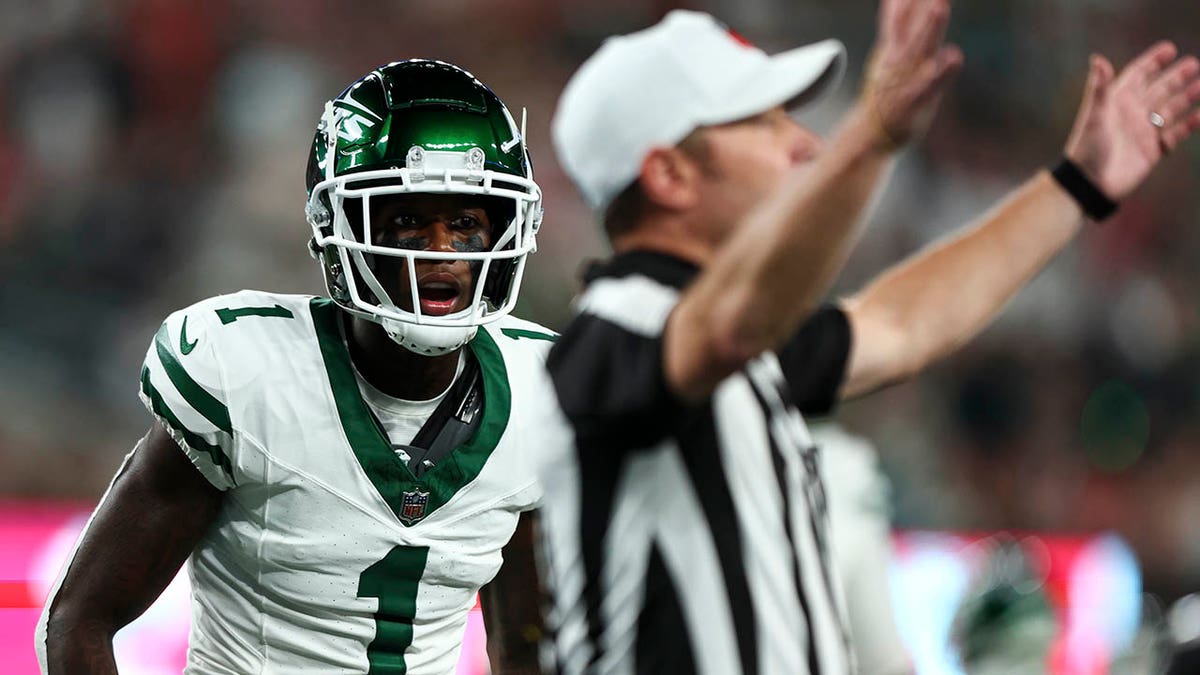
(419, 126)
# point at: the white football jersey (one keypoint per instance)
(329, 555)
(859, 497)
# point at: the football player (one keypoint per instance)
(342, 473)
(859, 501)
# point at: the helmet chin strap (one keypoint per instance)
(429, 340)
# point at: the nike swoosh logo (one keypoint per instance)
(184, 346)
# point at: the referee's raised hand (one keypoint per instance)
(910, 67)
(1129, 121)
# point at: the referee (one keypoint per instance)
(684, 528)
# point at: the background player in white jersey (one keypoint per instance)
(729, 220)
(342, 473)
(859, 499)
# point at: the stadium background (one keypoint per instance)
(152, 154)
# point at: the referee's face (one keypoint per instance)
(744, 161)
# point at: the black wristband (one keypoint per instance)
(1094, 203)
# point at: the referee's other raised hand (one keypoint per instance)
(910, 67)
(1129, 121)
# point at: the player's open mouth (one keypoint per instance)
(438, 297)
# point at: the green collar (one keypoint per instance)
(387, 472)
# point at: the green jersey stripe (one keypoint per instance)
(197, 396)
(194, 441)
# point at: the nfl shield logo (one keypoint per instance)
(413, 507)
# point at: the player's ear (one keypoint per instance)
(670, 179)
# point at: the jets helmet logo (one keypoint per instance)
(352, 125)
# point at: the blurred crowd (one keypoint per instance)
(152, 154)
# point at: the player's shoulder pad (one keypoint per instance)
(518, 334)
(245, 304)
(186, 345)
(196, 340)
(186, 381)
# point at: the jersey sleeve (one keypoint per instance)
(814, 360)
(182, 385)
(611, 385)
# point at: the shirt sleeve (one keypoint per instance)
(814, 360)
(182, 386)
(610, 384)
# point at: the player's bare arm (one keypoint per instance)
(156, 510)
(923, 308)
(512, 605)
(756, 291)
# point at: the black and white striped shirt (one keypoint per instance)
(686, 538)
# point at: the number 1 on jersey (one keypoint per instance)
(228, 315)
(394, 580)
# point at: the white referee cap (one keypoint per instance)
(652, 88)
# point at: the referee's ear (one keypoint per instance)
(670, 179)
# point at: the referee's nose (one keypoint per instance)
(804, 144)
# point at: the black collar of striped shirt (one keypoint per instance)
(661, 267)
